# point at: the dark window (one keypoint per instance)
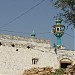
(13, 45)
(28, 47)
(34, 60)
(0, 43)
(64, 65)
(16, 49)
(57, 29)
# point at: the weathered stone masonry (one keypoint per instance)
(20, 53)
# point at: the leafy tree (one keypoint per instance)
(59, 71)
(68, 8)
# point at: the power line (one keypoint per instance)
(43, 32)
(14, 31)
(23, 32)
(40, 33)
(36, 33)
(69, 35)
(22, 14)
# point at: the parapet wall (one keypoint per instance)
(23, 42)
(20, 38)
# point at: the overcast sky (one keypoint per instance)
(39, 18)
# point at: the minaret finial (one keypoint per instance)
(58, 21)
(33, 34)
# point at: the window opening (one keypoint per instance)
(16, 49)
(64, 65)
(57, 29)
(13, 45)
(0, 43)
(34, 60)
(28, 47)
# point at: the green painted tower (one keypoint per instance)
(33, 34)
(58, 31)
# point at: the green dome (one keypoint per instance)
(58, 21)
(33, 34)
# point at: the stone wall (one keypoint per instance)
(15, 56)
(39, 71)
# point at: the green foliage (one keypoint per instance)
(59, 71)
(68, 8)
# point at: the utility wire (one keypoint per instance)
(14, 31)
(70, 35)
(43, 32)
(36, 33)
(23, 32)
(22, 14)
(39, 33)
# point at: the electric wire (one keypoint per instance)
(70, 35)
(22, 14)
(36, 33)
(68, 44)
(23, 32)
(42, 33)
(13, 31)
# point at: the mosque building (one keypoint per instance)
(20, 53)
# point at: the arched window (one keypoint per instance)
(65, 62)
(34, 60)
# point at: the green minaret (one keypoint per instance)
(33, 34)
(58, 31)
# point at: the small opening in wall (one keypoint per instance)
(64, 65)
(16, 49)
(28, 47)
(13, 45)
(34, 60)
(0, 43)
